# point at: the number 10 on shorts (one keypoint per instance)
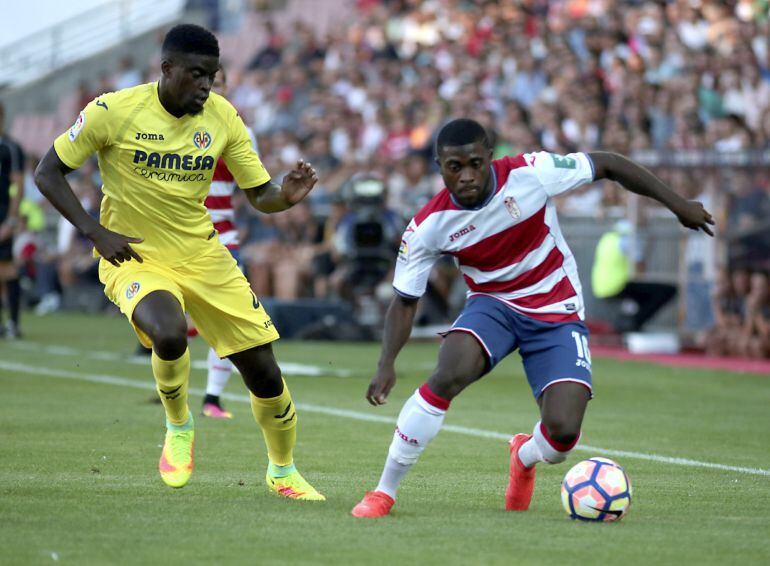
(583, 353)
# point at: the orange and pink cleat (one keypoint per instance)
(374, 504)
(521, 482)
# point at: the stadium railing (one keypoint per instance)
(80, 36)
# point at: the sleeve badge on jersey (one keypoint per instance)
(132, 290)
(512, 207)
(74, 131)
(403, 252)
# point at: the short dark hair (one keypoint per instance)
(462, 131)
(190, 38)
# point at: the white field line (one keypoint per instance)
(356, 415)
(288, 368)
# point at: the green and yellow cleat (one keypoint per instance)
(176, 460)
(293, 486)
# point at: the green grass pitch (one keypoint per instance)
(79, 444)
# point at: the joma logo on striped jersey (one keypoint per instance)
(174, 161)
(461, 233)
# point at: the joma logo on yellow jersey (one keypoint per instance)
(151, 137)
(174, 161)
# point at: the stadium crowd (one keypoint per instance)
(368, 97)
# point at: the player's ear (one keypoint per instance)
(165, 67)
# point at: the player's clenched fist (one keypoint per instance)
(298, 182)
(115, 248)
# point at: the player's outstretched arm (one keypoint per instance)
(641, 181)
(398, 327)
(50, 179)
(272, 197)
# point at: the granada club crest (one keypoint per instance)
(202, 139)
(512, 207)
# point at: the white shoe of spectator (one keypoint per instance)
(48, 304)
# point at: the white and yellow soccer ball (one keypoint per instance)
(596, 489)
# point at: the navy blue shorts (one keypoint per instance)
(552, 352)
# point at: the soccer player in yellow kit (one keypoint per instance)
(157, 145)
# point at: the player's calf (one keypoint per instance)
(418, 423)
(528, 450)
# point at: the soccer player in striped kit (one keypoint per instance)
(219, 203)
(498, 220)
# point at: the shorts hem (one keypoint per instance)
(565, 380)
(478, 338)
(247, 346)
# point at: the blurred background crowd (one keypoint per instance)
(362, 98)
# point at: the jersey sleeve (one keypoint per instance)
(241, 158)
(413, 265)
(253, 138)
(89, 133)
(561, 173)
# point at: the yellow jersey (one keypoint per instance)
(156, 168)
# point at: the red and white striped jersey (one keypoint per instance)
(219, 202)
(510, 247)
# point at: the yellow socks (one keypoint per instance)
(172, 378)
(278, 420)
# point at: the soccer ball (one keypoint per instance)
(596, 489)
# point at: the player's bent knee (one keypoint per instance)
(260, 371)
(448, 384)
(168, 342)
(562, 430)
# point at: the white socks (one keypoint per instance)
(542, 448)
(392, 475)
(418, 423)
(219, 373)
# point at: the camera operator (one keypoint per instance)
(366, 239)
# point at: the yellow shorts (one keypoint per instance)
(211, 288)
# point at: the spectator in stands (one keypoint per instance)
(11, 194)
(756, 330)
(750, 202)
(326, 260)
(128, 74)
(106, 84)
(729, 305)
(77, 264)
(412, 185)
(614, 276)
(83, 95)
(299, 233)
(270, 55)
(727, 315)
